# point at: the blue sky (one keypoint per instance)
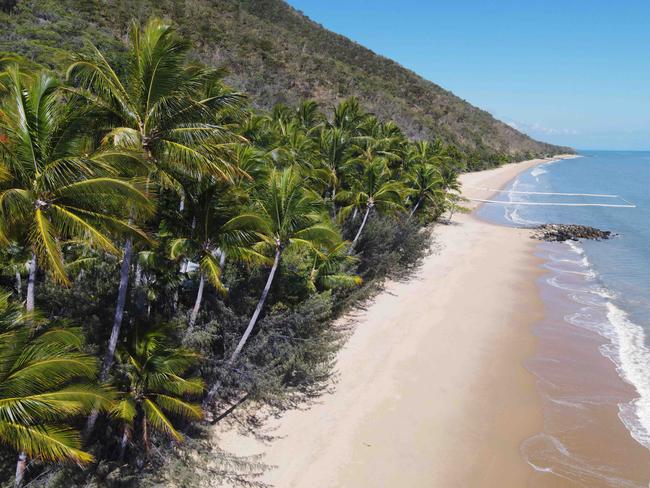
(573, 72)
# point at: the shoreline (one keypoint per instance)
(592, 435)
(579, 386)
(432, 388)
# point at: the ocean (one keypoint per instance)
(593, 356)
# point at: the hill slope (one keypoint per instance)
(274, 53)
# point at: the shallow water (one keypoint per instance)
(593, 356)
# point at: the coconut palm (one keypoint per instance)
(284, 214)
(329, 269)
(426, 185)
(161, 106)
(56, 188)
(451, 186)
(372, 188)
(335, 150)
(293, 146)
(207, 240)
(349, 117)
(45, 381)
(153, 370)
(309, 116)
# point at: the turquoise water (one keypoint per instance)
(617, 272)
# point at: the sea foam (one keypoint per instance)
(633, 361)
(626, 346)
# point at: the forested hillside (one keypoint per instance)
(275, 54)
(169, 254)
(172, 250)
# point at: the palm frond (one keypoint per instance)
(159, 420)
(49, 443)
(45, 243)
(210, 267)
(178, 407)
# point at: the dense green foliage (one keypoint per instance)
(275, 54)
(45, 380)
(200, 246)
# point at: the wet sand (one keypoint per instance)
(431, 391)
(584, 443)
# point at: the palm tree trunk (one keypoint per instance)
(258, 309)
(416, 207)
(197, 303)
(119, 310)
(123, 443)
(19, 285)
(137, 280)
(117, 325)
(363, 224)
(21, 466)
(249, 329)
(140, 296)
(182, 270)
(31, 284)
(145, 437)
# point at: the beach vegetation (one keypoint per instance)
(202, 246)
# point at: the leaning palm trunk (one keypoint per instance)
(363, 224)
(258, 309)
(119, 310)
(117, 325)
(415, 208)
(242, 342)
(197, 303)
(21, 464)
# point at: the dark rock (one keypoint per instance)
(568, 232)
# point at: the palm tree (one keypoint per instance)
(348, 116)
(293, 146)
(423, 177)
(160, 106)
(309, 116)
(54, 190)
(207, 240)
(426, 184)
(335, 146)
(45, 380)
(336, 142)
(153, 370)
(284, 214)
(329, 269)
(451, 185)
(372, 188)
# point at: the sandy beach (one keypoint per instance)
(431, 389)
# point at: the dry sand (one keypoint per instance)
(431, 389)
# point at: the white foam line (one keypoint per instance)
(552, 203)
(545, 193)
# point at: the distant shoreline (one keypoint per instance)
(432, 390)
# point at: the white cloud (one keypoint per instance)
(536, 128)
